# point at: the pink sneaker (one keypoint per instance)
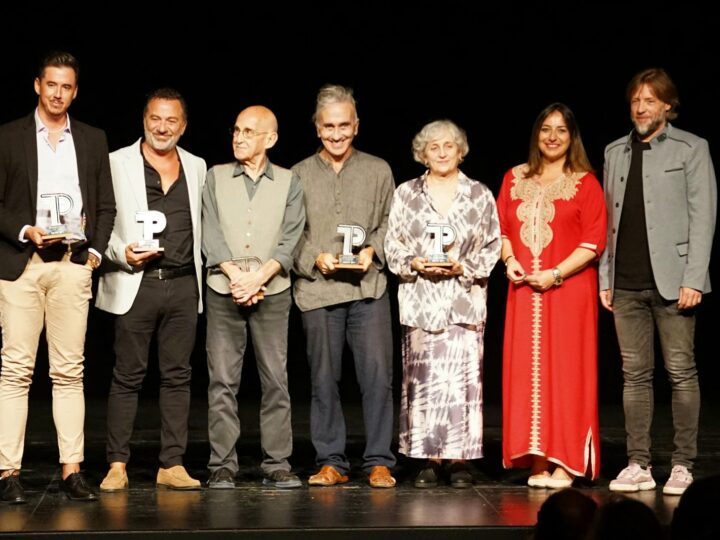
(680, 479)
(633, 478)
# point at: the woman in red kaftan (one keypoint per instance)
(553, 225)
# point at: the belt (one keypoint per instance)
(170, 273)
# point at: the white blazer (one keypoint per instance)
(118, 287)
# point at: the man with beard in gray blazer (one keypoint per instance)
(661, 198)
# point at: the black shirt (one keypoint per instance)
(177, 237)
(633, 269)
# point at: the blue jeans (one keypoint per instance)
(366, 326)
(637, 314)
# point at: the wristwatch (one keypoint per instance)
(557, 276)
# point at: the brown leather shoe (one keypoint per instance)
(328, 476)
(380, 477)
(176, 478)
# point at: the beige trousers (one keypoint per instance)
(56, 295)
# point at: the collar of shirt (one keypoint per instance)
(463, 185)
(40, 127)
(660, 137)
(328, 164)
(239, 170)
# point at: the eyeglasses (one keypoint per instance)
(247, 133)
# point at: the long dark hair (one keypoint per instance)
(576, 159)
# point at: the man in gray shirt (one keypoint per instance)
(252, 219)
(344, 186)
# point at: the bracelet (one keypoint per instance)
(506, 259)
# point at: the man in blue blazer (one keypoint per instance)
(661, 197)
(54, 178)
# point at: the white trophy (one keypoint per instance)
(61, 205)
(353, 236)
(153, 222)
(442, 234)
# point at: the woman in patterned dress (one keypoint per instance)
(442, 308)
(553, 223)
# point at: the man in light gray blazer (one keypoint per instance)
(154, 289)
(661, 197)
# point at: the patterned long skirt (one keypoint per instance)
(441, 402)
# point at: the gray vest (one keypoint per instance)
(251, 227)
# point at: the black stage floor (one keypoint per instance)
(498, 506)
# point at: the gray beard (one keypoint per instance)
(651, 128)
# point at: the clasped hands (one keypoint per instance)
(245, 287)
(540, 281)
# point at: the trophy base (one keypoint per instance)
(143, 249)
(349, 266)
(439, 264)
(55, 236)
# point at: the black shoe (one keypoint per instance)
(221, 479)
(428, 476)
(460, 477)
(77, 489)
(11, 490)
(282, 479)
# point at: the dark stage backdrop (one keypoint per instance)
(490, 69)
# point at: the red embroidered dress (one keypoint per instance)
(550, 345)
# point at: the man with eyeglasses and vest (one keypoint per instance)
(253, 217)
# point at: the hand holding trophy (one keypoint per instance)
(353, 236)
(60, 205)
(442, 234)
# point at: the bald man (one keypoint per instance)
(253, 216)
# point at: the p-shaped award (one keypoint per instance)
(153, 222)
(353, 236)
(442, 234)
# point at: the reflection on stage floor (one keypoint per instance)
(499, 504)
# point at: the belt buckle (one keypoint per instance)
(161, 274)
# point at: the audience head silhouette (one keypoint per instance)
(565, 515)
(694, 517)
(622, 518)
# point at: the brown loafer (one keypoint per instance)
(380, 477)
(328, 476)
(176, 478)
(116, 480)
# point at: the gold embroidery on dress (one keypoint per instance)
(537, 209)
(535, 213)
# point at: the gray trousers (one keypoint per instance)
(636, 314)
(227, 326)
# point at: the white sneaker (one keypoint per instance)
(680, 479)
(633, 478)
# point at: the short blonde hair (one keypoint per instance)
(432, 131)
